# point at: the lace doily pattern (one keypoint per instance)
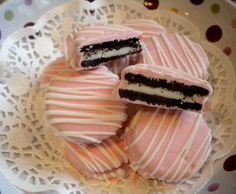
(32, 158)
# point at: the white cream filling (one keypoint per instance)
(109, 53)
(164, 93)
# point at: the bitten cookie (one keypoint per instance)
(164, 87)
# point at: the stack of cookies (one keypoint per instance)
(130, 97)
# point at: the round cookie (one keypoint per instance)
(100, 161)
(80, 106)
(170, 49)
(167, 145)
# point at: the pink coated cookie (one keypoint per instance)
(95, 45)
(159, 86)
(80, 106)
(167, 145)
(103, 161)
(171, 50)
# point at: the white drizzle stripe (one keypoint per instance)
(163, 139)
(84, 77)
(78, 140)
(108, 108)
(148, 34)
(82, 133)
(153, 140)
(82, 121)
(81, 96)
(81, 76)
(187, 147)
(98, 73)
(84, 138)
(81, 114)
(95, 81)
(76, 90)
(140, 135)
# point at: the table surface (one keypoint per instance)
(222, 181)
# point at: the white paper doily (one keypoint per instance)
(31, 158)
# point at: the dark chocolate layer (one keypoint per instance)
(158, 100)
(162, 83)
